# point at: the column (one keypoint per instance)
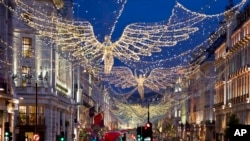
(16, 113)
(49, 122)
(58, 118)
(63, 121)
(225, 93)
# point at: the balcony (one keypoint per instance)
(239, 99)
(87, 101)
(30, 120)
(32, 90)
(217, 105)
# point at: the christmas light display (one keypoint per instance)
(138, 39)
(77, 41)
(156, 80)
(139, 113)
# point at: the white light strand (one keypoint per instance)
(156, 80)
(137, 39)
(116, 20)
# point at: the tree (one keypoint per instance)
(233, 120)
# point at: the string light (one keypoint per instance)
(139, 112)
(156, 80)
(77, 42)
(137, 39)
(119, 14)
(80, 38)
(185, 56)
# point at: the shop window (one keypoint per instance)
(22, 114)
(32, 115)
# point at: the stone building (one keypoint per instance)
(6, 96)
(38, 85)
(201, 91)
(232, 72)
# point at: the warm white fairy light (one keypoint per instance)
(78, 38)
(156, 80)
(137, 39)
(122, 95)
(184, 55)
(119, 14)
(139, 112)
(189, 54)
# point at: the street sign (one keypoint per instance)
(36, 137)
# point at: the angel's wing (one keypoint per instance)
(145, 38)
(160, 78)
(74, 37)
(121, 77)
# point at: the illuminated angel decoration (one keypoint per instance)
(108, 55)
(139, 112)
(138, 39)
(158, 79)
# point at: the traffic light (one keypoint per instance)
(147, 126)
(62, 138)
(10, 136)
(148, 132)
(7, 133)
(139, 133)
(124, 138)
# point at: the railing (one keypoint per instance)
(87, 101)
(239, 99)
(218, 104)
(32, 90)
(24, 119)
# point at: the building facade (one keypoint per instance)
(6, 97)
(200, 89)
(42, 92)
(197, 117)
(38, 95)
(233, 73)
(41, 83)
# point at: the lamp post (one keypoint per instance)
(36, 110)
(36, 136)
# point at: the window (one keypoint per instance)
(32, 115)
(27, 47)
(32, 109)
(26, 74)
(22, 109)
(27, 115)
(22, 115)
(26, 70)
